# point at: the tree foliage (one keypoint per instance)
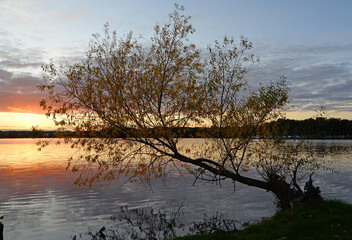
(123, 87)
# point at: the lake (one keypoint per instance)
(39, 200)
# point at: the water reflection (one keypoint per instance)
(39, 200)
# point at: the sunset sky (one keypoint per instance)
(308, 41)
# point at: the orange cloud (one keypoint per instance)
(21, 103)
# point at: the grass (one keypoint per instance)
(308, 221)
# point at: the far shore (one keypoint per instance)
(11, 134)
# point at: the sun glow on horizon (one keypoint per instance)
(24, 121)
(302, 115)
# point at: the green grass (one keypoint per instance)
(309, 221)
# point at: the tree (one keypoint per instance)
(149, 94)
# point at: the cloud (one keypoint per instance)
(20, 98)
(18, 57)
(19, 78)
(20, 84)
(20, 74)
(317, 75)
(18, 90)
(5, 75)
(18, 64)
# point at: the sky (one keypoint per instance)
(308, 41)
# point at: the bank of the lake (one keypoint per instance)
(309, 221)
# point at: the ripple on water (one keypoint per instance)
(39, 201)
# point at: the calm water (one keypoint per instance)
(39, 200)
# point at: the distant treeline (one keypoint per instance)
(26, 134)
(308, 128)
(314, 128)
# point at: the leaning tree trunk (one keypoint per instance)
(286, 194)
